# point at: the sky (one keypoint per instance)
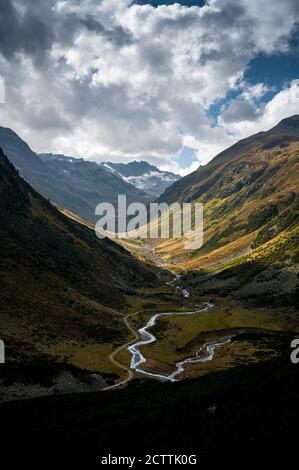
(170, 83)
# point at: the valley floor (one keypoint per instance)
(256, 334)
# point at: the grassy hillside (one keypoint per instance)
(251, 188)
(251, 215)
(266, 274)
(61, 287)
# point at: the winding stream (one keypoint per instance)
(204, 354)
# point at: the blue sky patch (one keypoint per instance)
(186, 157)
(275, 70)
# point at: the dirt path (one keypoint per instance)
(130, 373)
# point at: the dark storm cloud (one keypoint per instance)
(27, 32)
(33, 26)
(241, 111)
(117, 35)
(155, 57)
(228, 17)
(47, 118)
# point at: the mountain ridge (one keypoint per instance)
(78, 185)
(251, 218)
(290, 125)
(145, 176)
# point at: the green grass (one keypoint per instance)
(183, 335)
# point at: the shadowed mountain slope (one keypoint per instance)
(60, 284)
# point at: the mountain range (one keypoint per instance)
(64, 292)
(144, 176)
(250, 196)
(72, 183)
(79, 185)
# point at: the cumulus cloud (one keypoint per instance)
(282, 105)
(247, 105)
(117, 80)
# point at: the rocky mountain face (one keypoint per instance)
(92, 182)
(144, 176)
(251, 215)
(74, 184)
